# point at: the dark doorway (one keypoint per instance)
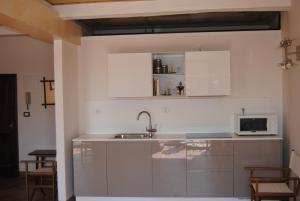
(9, 152)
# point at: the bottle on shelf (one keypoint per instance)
(156, 91)
(180, 89)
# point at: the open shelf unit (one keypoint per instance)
(167, 82)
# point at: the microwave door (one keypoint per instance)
(253, 125)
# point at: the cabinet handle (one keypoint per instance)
(198, 146)
(172, 144)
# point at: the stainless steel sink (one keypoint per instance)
(132, 136)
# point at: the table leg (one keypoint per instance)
(42, 158)
(37, 164)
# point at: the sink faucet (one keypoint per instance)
(149, 129)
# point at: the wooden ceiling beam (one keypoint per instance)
(38, 20)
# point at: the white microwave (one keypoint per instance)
(256, 124)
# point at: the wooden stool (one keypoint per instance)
(41, 178)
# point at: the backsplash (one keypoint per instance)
(175, 116)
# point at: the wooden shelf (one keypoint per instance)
(169, 74)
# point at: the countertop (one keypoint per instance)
(176, 137)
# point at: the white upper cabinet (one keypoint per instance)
(130, 75)
(207, 73)
(202, 73)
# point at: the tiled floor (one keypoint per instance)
(13, 189)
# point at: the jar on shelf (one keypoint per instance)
(164, 69)
(157, 70)
(172, 69)
(157, 64)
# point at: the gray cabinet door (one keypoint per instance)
(210, 169)
(254, 153)
(169, 169)
(89, 161)
(129, 169)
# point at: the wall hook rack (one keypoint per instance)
(287, 62)
(49, 87)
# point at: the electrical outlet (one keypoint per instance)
(298, 52)
(165, 109)
(26, 114)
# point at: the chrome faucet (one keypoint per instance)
(149, 129)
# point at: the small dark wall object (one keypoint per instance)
(26, 114)
(27, 99)
(49, 89)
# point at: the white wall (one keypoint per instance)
(66, 97)
(256, 83)
(30, 59)
(292, 82)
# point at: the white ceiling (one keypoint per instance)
(165, 7)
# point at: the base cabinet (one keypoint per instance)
(89, 161)
(129, 169)
(169, 169)
(254, 153)
(200, 168)
(210, 183)
(210, 169)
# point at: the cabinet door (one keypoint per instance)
(210, 169)
(207, 73)
(254, 153)
(89, 161)
(129, 169)
(169, 169)
(130, 75)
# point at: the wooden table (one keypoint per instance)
(42, 154)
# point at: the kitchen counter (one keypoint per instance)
(177, 137)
